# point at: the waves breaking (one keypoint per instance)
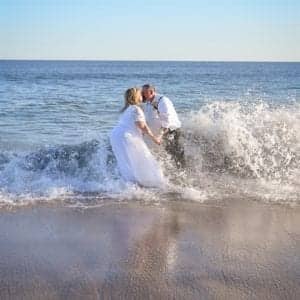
(249, 141)
(232, 150)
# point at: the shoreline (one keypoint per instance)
(172, 250)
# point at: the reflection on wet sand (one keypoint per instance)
(132, 251)
(144, 272)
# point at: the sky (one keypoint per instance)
(197, 30)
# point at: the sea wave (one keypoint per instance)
(232, 150)
(255, 141)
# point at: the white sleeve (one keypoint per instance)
(164, 108)
(139, 115)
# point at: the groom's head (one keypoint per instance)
(148, 92)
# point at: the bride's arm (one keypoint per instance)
(145, 129)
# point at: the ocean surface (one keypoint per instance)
(241, 125)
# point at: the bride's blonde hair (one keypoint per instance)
(132, 97)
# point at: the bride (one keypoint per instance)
(135, 161)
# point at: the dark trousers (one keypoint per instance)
(174, 147)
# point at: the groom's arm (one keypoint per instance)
(164, 108)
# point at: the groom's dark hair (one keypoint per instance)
(149, 86)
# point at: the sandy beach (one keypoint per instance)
(176, 250)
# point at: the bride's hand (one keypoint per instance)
(156, 140)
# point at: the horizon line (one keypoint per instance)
(145, 60)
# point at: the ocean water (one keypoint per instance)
(241, 125)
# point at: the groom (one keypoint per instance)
(162, 119)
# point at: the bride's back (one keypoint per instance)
(129, 117)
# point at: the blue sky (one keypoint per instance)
(255, 30)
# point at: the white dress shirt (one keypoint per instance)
(152, 118)
(166, 112)
(164, 116)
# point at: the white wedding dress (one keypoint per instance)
(135, 161)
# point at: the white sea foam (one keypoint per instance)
(232, 150)
(246, 149)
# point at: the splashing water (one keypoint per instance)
(254, 149)
(232, 150)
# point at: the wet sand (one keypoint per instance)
(174, 250)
